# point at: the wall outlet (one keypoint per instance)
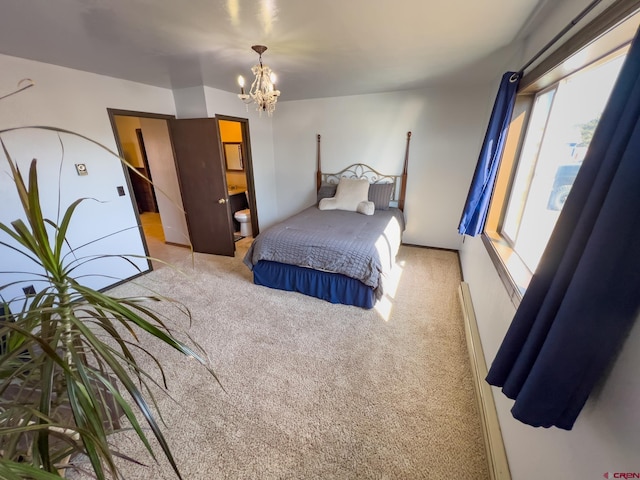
(120, 191)
(29, 291)
(81, 168)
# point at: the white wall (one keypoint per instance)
(446, 134)
(261, 135)
(165, 179)
(190, 102)
(77, 101)
(606, 435)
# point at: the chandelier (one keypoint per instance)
(263, 89)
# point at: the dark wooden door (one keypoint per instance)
(201, 172)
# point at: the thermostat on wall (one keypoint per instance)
(81, 168)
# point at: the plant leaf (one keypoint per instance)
(11, 470)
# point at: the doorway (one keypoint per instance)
(234, 137)
(150, 143)
(143, 141)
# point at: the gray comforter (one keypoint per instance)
(358, 246)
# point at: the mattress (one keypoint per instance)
(362, 247)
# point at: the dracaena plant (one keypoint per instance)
(69, 354)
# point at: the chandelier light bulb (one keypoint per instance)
(241, 83)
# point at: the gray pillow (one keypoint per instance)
(327, 190)
(380, 195)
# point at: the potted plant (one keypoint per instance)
(68, 354)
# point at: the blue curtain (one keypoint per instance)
(477, 204)
(585, 294)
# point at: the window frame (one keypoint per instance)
(595, 43)
(504, 210)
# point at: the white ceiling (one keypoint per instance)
(318, 49)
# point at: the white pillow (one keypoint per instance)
(366, 208)
(349, 194)
(327, 203)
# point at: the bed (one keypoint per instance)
(332, 252)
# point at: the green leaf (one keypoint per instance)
(11, 470)
(35, 212)
(64, 225)
(138, 398)
(17, 179)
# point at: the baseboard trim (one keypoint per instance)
(494, 445)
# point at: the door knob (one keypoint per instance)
(222, 201)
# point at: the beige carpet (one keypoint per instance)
(315, 390)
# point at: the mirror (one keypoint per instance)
(233, 156)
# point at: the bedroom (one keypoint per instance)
(448, 123)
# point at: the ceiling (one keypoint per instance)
(318, 49)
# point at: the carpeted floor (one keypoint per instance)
(315, 390)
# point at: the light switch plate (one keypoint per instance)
(81, 168)
(29, 291)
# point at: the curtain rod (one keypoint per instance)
(568, 27)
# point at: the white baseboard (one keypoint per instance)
(496, 454)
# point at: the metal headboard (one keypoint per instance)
(361, 170)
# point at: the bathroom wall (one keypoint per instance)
(238, 179)
(128, 139)
(165, 179)
(232, 132)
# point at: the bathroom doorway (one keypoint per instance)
(234, 137)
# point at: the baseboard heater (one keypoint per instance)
(496, 455)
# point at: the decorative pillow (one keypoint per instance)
(350, 192)
(327, 203)
(366, 208)
(327, 190)
(380, 195)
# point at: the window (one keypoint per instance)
(563, 119)
(550, 132)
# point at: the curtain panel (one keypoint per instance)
(474, 214)
(585, 295)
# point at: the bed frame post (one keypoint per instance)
(403, 186)
(319, 168)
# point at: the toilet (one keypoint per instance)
(244, 218)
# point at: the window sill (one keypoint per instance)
(511, 269)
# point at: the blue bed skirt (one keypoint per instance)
(332, 287)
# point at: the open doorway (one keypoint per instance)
(194, 197)
(144, 141)
(235, 172)
(234, 137)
